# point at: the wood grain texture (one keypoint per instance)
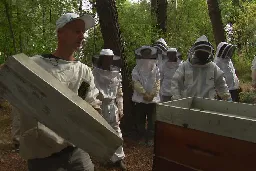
(37, 93)
(162, 164)
(203, 151)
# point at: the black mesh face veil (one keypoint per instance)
(146, 52)
(172, 56)
(106, 62)
(201, 53)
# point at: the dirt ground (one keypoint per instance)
(138, 157)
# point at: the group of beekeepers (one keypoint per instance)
(160, 75)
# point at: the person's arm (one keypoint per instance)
(136, 83)
(177, 82)
(92, 93)
(221, 85)
(157, 85)
(119, 99)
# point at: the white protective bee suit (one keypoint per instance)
(169, 68)
(109, 84)
(199, 76)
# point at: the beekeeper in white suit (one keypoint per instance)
(223, 60)
(108, 80)
(146, 84)
(43, 148)
(169, 68)
(162, 48)
(199, 76)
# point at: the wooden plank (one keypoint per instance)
(217, 123)
(34, 91)
(232, 108)
(184, 103)
(162, 164)
(202, 150)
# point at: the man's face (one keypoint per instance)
(72, 34)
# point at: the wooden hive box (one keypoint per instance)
(36, 92)
(207, 135)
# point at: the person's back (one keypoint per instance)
(199, 76)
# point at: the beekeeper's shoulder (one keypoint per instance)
(86, 71)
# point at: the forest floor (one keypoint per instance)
(138, 157)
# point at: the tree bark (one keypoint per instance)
(108, 19)
(7, 12)
(20, 31)
(215, 17)
(161, 13)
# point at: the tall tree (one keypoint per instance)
(7, 12)
(108, 19)
(161, 13)
(217, 25)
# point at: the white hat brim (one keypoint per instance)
(153, 50)
(88, 20)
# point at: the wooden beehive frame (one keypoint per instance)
(37, 93)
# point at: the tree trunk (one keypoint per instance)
(108, 19)
(161, 13)
(20, 31)
(217, 25)
(7, 12)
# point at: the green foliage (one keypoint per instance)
(186, 23)
(248, 97)
(33, 26)
(243, 18)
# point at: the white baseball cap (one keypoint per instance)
(68, 17)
